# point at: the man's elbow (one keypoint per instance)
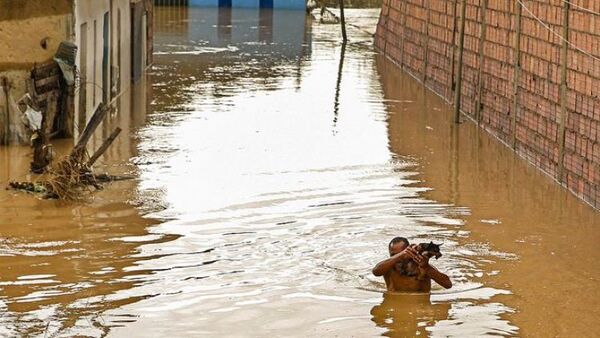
(447, 284)
(377, 271)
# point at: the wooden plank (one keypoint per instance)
(50, 112)
(96, 119)
(68, 113)
(104, 147)
(31, 90)
(45, 70)
(48, 87)
(51, 80)
(42, 98)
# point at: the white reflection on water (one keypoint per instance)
(280, 205)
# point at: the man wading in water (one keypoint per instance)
(400, 251)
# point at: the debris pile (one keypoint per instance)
(47, 111)
(328, 17)
(71, 177)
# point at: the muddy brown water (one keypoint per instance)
(267, 188)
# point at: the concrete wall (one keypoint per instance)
(21, 41)
(281, 4)
(421, 36)
(103, 75)
(121, 46)
(30, 32)
(89, 22)
(89, 37)
(25, 24)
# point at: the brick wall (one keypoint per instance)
(421, 36)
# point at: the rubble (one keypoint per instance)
(70, 178)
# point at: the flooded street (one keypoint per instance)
(273, 166)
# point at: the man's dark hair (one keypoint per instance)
(397, 240)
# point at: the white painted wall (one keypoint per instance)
(91, 12)
(121, 41)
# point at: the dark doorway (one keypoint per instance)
(105, 60)
(224, 3)
(137, 35)
(266, 3)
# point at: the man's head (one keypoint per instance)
(397, 244)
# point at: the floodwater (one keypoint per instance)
(272, 168)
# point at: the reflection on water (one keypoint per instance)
(408, 315)
(263, 218)
(61, 263)
(512, 207)
(221, 51)
(279, 213)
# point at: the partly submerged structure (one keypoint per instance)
(106, 44)
(527, 72)
(276, 4)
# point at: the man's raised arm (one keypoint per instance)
(386, 265)
(439, 277)
(433, 273)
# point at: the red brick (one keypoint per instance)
(539, 88)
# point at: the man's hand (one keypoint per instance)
(386, 265)
(422, 261)
(407, 253)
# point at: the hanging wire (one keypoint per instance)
(583, 51)
(80, 81)
(580, 8)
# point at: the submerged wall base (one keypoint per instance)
(517, 97)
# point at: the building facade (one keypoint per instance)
(113, 40)
(275, 4)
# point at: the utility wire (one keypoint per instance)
(580, 8)
(583, 51)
